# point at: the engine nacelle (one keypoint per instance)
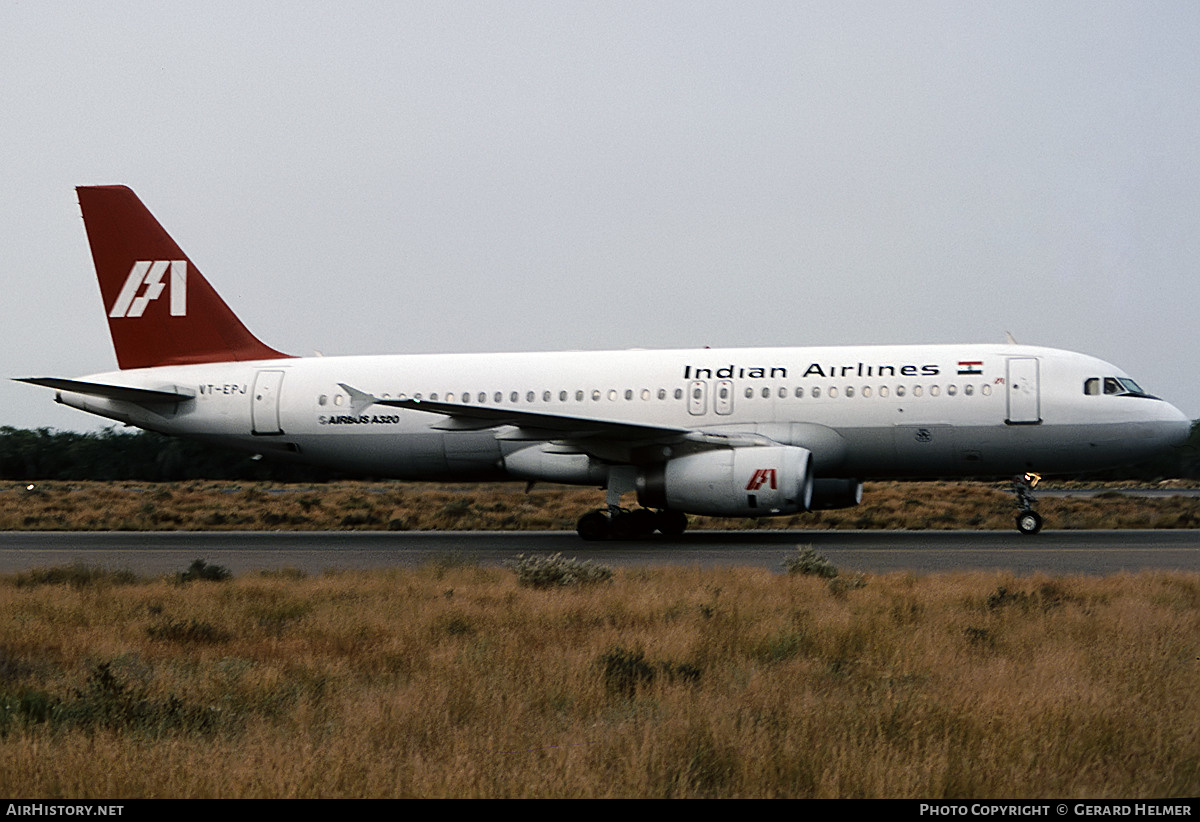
(545, 463)
(758, 481)
(836, 493)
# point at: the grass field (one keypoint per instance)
(200, 505)
(458, 681)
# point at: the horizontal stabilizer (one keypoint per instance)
(123, 393)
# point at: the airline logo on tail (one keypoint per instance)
(133, 299)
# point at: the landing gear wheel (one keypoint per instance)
(1029, 522)
(636, 524)
(671, 523)
(594, 526)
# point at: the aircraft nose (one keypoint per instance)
(1174, 427)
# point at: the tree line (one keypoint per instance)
(113, 454)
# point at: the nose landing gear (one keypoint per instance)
(1029, 521)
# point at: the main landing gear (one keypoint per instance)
(615, 522)
(1029, 521)
(640, 523)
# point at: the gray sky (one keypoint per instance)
(445, 176)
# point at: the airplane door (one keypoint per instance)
(723, 401)
(697, 397)
(1024, 396)
(264, 406)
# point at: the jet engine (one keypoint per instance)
(756, 481)
(836, 493)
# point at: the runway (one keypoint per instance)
(1051, 552)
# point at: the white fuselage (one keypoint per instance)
(863, 411)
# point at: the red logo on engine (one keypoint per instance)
(760, 478)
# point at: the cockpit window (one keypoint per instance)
(1114, 387)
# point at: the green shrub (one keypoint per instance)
(556, 571)
(808, 562)
(199, 569)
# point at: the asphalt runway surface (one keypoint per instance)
(1051, 552)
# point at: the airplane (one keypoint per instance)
(736, 432)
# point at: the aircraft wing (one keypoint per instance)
(122, 393)
(538, 425)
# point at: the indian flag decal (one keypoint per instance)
(970, 366)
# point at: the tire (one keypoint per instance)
(671, 523)
(637, 524)
(1029, 522)
(594, 526)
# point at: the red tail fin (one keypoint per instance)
(161, 310)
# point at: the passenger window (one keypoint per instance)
(832, 391)
(799, 392)
(678, 393)
(782, 393)
(562, 396)
(866, 390)
(968, 389)
(579, 395)
(985, 389)
(816, 392)
(749, 393)
(529, 395)
(766, 392)
(934, 390)
(849, 391)
(662, 393)
(917, 391)
(595, 395)
(433, 397)
(466, 397)
(612, 394)
(951, 390)
(321, 400)
(514, 397)
(899, 390)
(628, 393)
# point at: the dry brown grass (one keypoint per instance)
(456, 681)
(202, 505)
